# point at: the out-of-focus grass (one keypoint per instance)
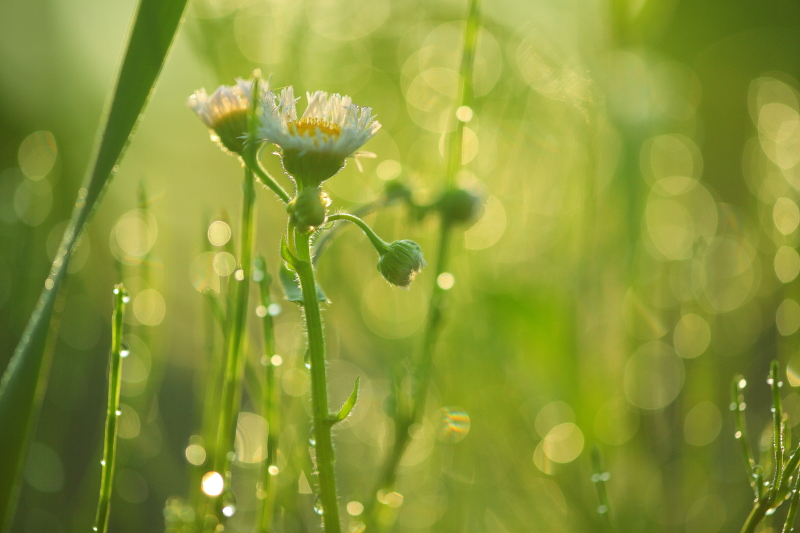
(636, 251)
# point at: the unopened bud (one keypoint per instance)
(458, 206)
(401, 262)
(309, 209)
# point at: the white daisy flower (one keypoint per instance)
(225, 113)
(315, 146)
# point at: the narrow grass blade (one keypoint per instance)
(738, 407)
(599, 478)
(113, 412)
(24, 381)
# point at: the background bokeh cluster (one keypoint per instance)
(637, 248)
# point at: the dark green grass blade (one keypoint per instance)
(23, 383)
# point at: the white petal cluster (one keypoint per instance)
(225, 112)
(331, 124)
(222, 102)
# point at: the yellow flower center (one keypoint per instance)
(310, 126)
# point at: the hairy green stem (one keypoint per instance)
(112, 414)
(269, 401)
(234, 366)
(319, 387)
(250, 159)
(379, 244)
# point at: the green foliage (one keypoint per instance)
(25, 379)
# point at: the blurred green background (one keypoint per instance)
(637, 248)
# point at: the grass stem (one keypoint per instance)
(234, 366)
(113, 412)
(269, 401)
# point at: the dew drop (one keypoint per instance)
(229, 510)
(126, 299)
(118, 413)
(318, 508)
(273, 470)
(737, 435)
(603, 509)
(742, 383)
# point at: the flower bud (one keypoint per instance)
(225, 113)
(458, 206)
(309, 209)
(311, 168)
(401, 261)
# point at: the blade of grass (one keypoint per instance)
(112, 413)
(24, 381)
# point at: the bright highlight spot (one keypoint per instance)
(564, 443)
(445, 281)
(787, 264)
(195, 454)
(276, 360)
(213, 483)
(355, 508)
(464, 113)
(219, 233)
(787, 318)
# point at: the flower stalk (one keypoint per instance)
(113, 412)
(319, 387)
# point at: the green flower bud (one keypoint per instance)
(458, 206)
(400, 262)
(312, 168)
(309, 209)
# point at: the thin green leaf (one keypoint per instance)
(24, 381)
(287, 255)
(348, 405)
(291, 286)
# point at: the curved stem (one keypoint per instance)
(319, 387)
(251, 161)
(112, 414)
(379, 244)
(234, 368)
(322, 242)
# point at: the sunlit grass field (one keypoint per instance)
(638, 168)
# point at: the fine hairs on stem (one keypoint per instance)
(312, 150)
(113, 412)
